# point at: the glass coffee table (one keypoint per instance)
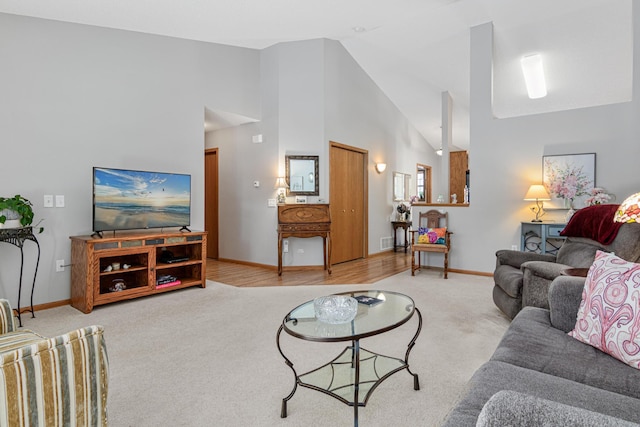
(356, 372)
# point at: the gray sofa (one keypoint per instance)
(539, 375)
(522, 278)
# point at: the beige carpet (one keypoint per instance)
(208, 357)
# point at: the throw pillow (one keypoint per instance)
(432, 235)
(609, 314)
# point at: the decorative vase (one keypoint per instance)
(570, 213)
(568, 204)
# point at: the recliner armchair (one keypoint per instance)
(523, 278)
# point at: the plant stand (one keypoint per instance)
(17, 237)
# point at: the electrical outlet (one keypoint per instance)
(285, 246)
(271, 203)
(300, 251)
(59, 265)
(514, 247)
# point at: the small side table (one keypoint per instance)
(17, 237)
(406, 225)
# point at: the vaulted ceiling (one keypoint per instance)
(413, 49)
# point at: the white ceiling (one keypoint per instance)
(413, 49)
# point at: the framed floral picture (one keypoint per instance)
(569, 179)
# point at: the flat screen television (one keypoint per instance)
(130, 199)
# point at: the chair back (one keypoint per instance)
(434, 218)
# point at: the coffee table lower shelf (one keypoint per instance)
(337, 378)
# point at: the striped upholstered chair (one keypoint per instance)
(59, 381)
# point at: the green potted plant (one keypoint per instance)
(17, 208)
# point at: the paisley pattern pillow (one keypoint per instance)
(609, 314)
(432, 235)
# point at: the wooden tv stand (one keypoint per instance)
(94, 281)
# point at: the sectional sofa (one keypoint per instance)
(539, 375)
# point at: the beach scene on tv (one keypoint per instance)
(125, 199)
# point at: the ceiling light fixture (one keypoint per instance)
(534, 76)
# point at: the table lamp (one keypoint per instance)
(281, 186)
(629, 210)
(538, 193)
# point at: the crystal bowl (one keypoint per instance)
(335, 309)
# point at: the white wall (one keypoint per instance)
(506, 157)
(77, 96)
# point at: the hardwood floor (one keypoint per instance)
(368, 270)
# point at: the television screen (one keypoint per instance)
(128, 199)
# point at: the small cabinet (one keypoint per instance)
(106, 270)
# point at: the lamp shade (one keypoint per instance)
(629, 210)
(281, 182)
(537, 192)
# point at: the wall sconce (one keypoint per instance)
(538, 193)
(281, 186)
(380, 167)
(629, 210)
(534, 76)
(439, 151)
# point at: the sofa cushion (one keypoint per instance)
(531, 342)
(495, 376)
(510, 408)
(609, 314)
(15, 340)
(578, 252)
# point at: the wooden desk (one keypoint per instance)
(406, 225)
(312, 220)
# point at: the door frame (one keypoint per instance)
(212, 240)
(365, 181)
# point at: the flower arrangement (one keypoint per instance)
(413, 199)
(566, 181)
(597, 196)
(402, 208)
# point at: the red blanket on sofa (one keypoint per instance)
(594, 222)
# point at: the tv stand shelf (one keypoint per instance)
(128, 265)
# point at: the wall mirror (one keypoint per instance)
(302, 175)
(401, 186)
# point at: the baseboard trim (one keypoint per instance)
(250, 264)
(45, 306)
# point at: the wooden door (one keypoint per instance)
(348, 199)
(211, 201)
(458, 167)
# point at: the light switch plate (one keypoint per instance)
(48, 200)
(59, 201)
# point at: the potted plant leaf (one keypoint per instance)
(16, 212)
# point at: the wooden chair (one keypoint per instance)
(434, 219)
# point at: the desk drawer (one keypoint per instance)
(304, 227)
(554, 230)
